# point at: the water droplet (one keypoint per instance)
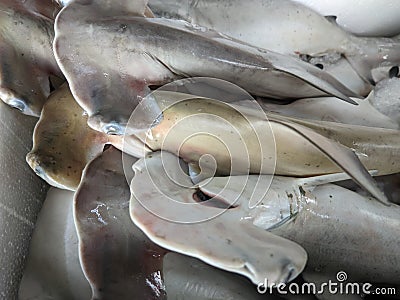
(113, 128)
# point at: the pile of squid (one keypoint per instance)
(199, 139)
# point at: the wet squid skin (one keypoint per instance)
(136, 52)
(27, 58)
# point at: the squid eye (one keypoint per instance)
(394, 72)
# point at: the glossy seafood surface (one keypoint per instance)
(208, 149)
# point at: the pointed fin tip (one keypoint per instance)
(327, 178)
(350, 163)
